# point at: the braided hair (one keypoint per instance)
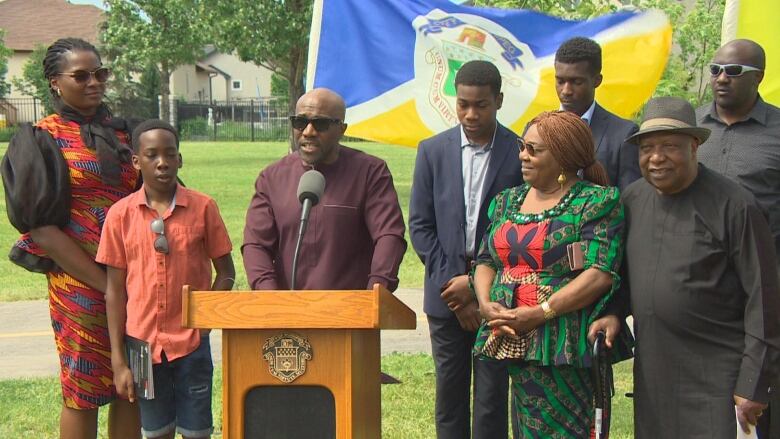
(97, 131)
(571, 143)
(54, 59)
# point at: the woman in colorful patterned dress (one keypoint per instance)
(61, 177)
(536, 308)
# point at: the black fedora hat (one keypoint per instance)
(670, 114)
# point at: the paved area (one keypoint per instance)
(27, 344)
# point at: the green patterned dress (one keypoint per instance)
(550, 365)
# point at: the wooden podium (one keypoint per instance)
(300, 351)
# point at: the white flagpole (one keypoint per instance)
(314, 42)
(728, 30)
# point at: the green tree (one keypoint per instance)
(125, 96)
(271, 34)
(150, 82)
(280, 88)
(33, 82)
(570, 9)
(697, 34)
(5, 87)
(163, 33)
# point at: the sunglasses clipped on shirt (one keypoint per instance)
(319, 123)
(161, 242)
(82, 76)
(731, 69)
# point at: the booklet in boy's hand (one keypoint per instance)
(139, 358)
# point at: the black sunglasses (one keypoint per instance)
(101, 74)
(319, 123)
(522, 146)
(731, 69)
(161, 242)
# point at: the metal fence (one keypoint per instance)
(261, 119)
(14, 111)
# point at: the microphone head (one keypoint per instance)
(310, 186)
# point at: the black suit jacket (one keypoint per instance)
(437, 211)
(621, 159)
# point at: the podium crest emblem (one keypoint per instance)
(286, 355)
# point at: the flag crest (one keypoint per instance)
(395, 62)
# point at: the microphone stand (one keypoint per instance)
(301, 230)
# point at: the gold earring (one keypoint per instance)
(59, 92)
(562, 180)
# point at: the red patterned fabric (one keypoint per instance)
(520, 248)
(526, 295)
(78, 312)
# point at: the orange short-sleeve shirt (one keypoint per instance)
(196, 234)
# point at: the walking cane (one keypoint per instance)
(602, 388)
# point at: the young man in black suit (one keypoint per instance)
(577, 75)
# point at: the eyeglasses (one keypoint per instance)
(82, 76)
(731, 69)
(320, 123)
(522, 146)
(161, 242)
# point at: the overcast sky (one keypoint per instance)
(98, 3)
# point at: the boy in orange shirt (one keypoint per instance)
(155, 241)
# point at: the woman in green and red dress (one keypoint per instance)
(536, 307)
(61, 176)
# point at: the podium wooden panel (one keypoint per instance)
(342, 328)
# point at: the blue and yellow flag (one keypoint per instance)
(394, 62)
(757, 20)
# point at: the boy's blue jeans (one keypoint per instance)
(182, 400)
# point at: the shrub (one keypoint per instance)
(194, 129)
(6, 133)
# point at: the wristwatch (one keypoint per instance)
(549, 313)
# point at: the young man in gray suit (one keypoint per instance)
(577, 75)
(456, 175)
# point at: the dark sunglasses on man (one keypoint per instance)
(101, 74)
(319, 123)
(731, 69)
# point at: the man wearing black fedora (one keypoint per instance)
(702, 286)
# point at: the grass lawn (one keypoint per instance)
(226, 172)
(31, 407)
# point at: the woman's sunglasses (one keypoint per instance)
(82, 76)
(161, 242)
(320, 123)
(731, 69)
(522, 146)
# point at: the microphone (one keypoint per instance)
(310, 188)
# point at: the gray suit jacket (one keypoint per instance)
(437, 211)
(621, 159)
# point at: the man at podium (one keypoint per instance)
(355, 232)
